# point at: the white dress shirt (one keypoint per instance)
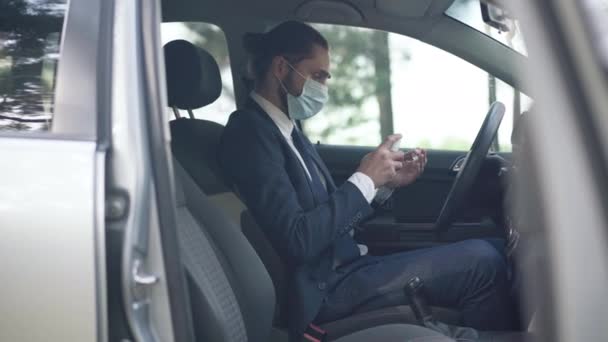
(286, 126)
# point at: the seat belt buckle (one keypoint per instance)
(314, 333)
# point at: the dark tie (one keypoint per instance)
(318, 189)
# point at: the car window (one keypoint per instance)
(387, 83)
(212, 39)
(30, 36)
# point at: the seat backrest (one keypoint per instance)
(231, 293)
(194, 81)
(195, 143)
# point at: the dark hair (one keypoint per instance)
(292, 39)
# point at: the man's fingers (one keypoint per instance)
(414, 166)
(390, 140)
(414, 158)
(398, 156)
(422, 153)
(421, 161)
(419, 155)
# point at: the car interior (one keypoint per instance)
(115, 197)
(236, 281)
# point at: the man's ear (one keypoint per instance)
(279, 67)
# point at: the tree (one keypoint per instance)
(25, 26)
(361, 68)
(383, 88)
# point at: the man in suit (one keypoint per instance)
(310, 220)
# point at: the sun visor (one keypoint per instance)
(329, 11)
(412, 9)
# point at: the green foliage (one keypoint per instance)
(352, 69)
(360, 66)
(212, 39)
(360, 75)
(360, 109)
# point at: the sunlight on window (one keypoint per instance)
(397, 84)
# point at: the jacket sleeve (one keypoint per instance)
(252, 157)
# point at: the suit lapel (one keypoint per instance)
(257, 108)
(331, 186)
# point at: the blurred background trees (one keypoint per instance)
(29, 48)
(361, 69)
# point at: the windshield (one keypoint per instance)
(468, 12)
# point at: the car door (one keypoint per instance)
(436, 101)
(85, 181)
(561, 196)
(52, 161)
(148, 293)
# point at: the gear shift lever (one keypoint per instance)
(422, 311)
(414, 289)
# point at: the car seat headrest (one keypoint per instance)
(193, 76)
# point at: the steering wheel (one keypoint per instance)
(471, 166)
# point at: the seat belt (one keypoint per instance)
(205, 270)
(315, 334)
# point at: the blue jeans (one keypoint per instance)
(468, 276)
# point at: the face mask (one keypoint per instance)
(310, 102)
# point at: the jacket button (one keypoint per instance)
(322, 286)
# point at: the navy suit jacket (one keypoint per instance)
(304, 230)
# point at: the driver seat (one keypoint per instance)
(194, 81)
(231, 294)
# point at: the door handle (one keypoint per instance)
(140, 277)
(459, 164)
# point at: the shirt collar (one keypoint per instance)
(283, 122)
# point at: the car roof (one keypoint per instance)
(421, 19)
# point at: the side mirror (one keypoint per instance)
(496, 17)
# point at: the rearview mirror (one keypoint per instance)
(496, 17)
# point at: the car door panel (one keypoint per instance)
(384, 235)
(406, 221)
(51, 215)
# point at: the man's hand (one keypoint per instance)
(382, 164)
(413, 166)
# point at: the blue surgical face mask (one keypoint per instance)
(310, 102)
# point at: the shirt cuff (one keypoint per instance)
(365, 185)
(362, 249)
